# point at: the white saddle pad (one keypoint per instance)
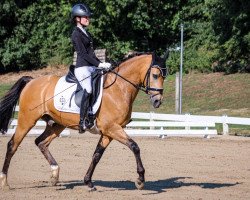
(63, 92)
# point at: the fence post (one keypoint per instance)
(177, 93)
(187, 119)
(151, 119)
(225, 125)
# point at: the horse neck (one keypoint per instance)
(134, 70)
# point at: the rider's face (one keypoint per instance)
(84, 21)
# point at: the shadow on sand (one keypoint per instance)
(154, 186)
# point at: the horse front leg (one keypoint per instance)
(100, 148)
(120, 135)
(139, 183)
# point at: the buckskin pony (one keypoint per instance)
(141, 72)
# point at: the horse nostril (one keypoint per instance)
(157, 103)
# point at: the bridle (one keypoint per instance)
(146, 87)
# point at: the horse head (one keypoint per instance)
(154, 79)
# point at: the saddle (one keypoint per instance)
(78, 93)
(68, 92)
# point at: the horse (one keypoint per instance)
(145, 71)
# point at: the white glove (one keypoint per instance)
(104, 65)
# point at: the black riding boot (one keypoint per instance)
(90, 120)
(91, 115)
(83, 111)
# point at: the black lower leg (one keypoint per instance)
(40, 142)
(91, 118)
(10, 152)
(96, 158)
(136, 150)
(83, 111)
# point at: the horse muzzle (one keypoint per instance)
(156, 100)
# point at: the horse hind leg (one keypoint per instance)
(43, 141)
(3, 175)
(21, 131)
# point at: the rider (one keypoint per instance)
(86, 61)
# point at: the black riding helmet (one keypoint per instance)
(80, 10)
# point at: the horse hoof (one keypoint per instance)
(4, 184)
(55, 175)
(6, 188)
(53, 181)
(92, 189)
(139, 184)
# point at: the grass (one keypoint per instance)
(4, 88)
(203, 94)
(206, 94)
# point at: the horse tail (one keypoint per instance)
(9, 101)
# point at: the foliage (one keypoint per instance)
(216, 33)
(38, 34)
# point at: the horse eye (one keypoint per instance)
(155, 76)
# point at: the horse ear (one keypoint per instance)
(165, 57)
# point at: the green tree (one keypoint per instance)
(231, 23)
(216, 33)
(39, 33)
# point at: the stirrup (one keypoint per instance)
(90, 122)
(82, 126)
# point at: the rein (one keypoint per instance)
(136, 86)
(146, 88)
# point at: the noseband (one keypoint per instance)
(147, 87)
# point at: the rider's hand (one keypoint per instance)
(105, 65)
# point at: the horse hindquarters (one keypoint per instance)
(25, 123)
(7, 106)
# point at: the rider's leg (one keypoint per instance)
(83, 111)
(83, 75)
(91, 115)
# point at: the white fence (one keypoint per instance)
(155, 124)
(186, 121)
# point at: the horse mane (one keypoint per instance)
(132, 55)
(156, 60)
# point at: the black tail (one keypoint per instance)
(9, 101)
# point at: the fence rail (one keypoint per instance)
(224, 120)
(169, 128)
(156, 124)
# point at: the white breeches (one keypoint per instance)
(83, 75)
